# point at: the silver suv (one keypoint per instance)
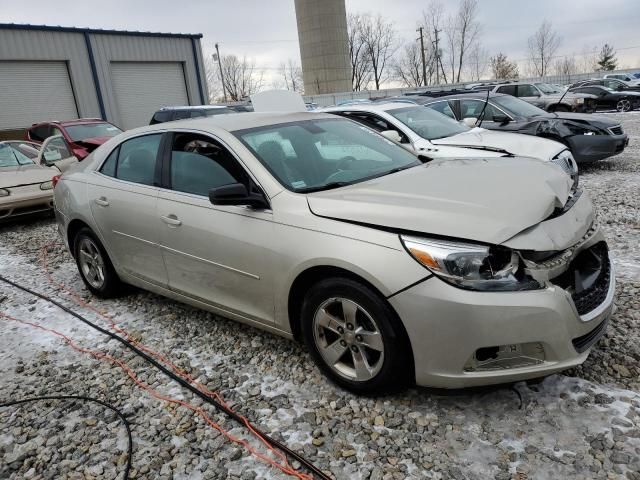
(548, 97)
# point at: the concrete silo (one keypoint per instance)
(324, 50)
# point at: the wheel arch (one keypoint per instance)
(73, 228)
(312, 275)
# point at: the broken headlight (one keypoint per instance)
(583, 129)
(470, 266)
(567, 163)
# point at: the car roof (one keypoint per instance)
(237, 121)
(472, 94)
(194, 107)
(370, 107)
(76, 121)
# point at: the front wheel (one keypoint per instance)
(623, 106)
(94, 265)
(355, 337)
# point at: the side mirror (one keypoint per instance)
(236, 194)
(470, 121)
(391, 135)
(501, 119)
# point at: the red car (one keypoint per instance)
(83, 135)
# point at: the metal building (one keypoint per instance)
(324, 46)
(59, 73)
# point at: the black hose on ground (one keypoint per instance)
(120, 415)
(270, 440)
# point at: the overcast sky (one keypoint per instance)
(266, 29)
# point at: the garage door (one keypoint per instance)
(142, 88)
(34, 92)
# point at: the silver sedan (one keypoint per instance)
(393, 269)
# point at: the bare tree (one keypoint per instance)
(478, 61)
(212, 76)
(462, 31)
(543, 45)
(292, 76)
(379, 38)
(360, 61)
(240, 77)
(502, 68)
(408, 68)
(566, 65)
(588, 59)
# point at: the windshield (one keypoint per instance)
(518, 107)
(314, 155)
(10, 157)
(428, 123)
(91, 130)
(548, 89)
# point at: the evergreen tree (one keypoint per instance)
(607, 59)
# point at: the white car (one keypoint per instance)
(434, 135)
(631, 79)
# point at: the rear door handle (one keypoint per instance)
(171, 220)
(102, 201)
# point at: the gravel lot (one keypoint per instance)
(584, 424)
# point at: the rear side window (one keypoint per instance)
(134, 160)
(527, 91)
(199, 163)
(161, 117)
(39, 133)
(109, 166)
(508, 89)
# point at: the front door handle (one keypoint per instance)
(171, 220)
(102, 201)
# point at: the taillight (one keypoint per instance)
(55, 180)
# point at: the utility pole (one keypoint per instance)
(437, 56)
(424, 66)
(224, 90)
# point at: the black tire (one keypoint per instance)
(396, 371)
(112, 285)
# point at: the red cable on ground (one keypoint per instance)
(101, 356)
(76, 297)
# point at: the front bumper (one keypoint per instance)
(21, 203)
(589, 148)
(447, 326)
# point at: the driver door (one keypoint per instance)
(55, 152)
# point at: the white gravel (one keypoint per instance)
(584, 424)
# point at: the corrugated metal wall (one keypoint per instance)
(32, 44)
(51, 45)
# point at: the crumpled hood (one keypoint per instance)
(590, 118)
(486, 200)
(24, 175)
(515, 143)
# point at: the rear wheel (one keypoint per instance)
(93, 263)
(355, 337)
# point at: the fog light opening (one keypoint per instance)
(504, 357)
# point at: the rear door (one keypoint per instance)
(123, 196)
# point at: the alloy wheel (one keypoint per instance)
(91, 263)
(623, 106)
(348, 339)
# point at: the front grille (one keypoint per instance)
(587, 278)
(585, 341)
(617, 130)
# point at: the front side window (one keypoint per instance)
(442, 107)
(375, 122)
(320, 154)
(137, 159)
(39, 133)
(517, 107)
(199, 164)
(548, 89)
(54, 150)
(78, 133)
(428, 123)
(474, 109)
